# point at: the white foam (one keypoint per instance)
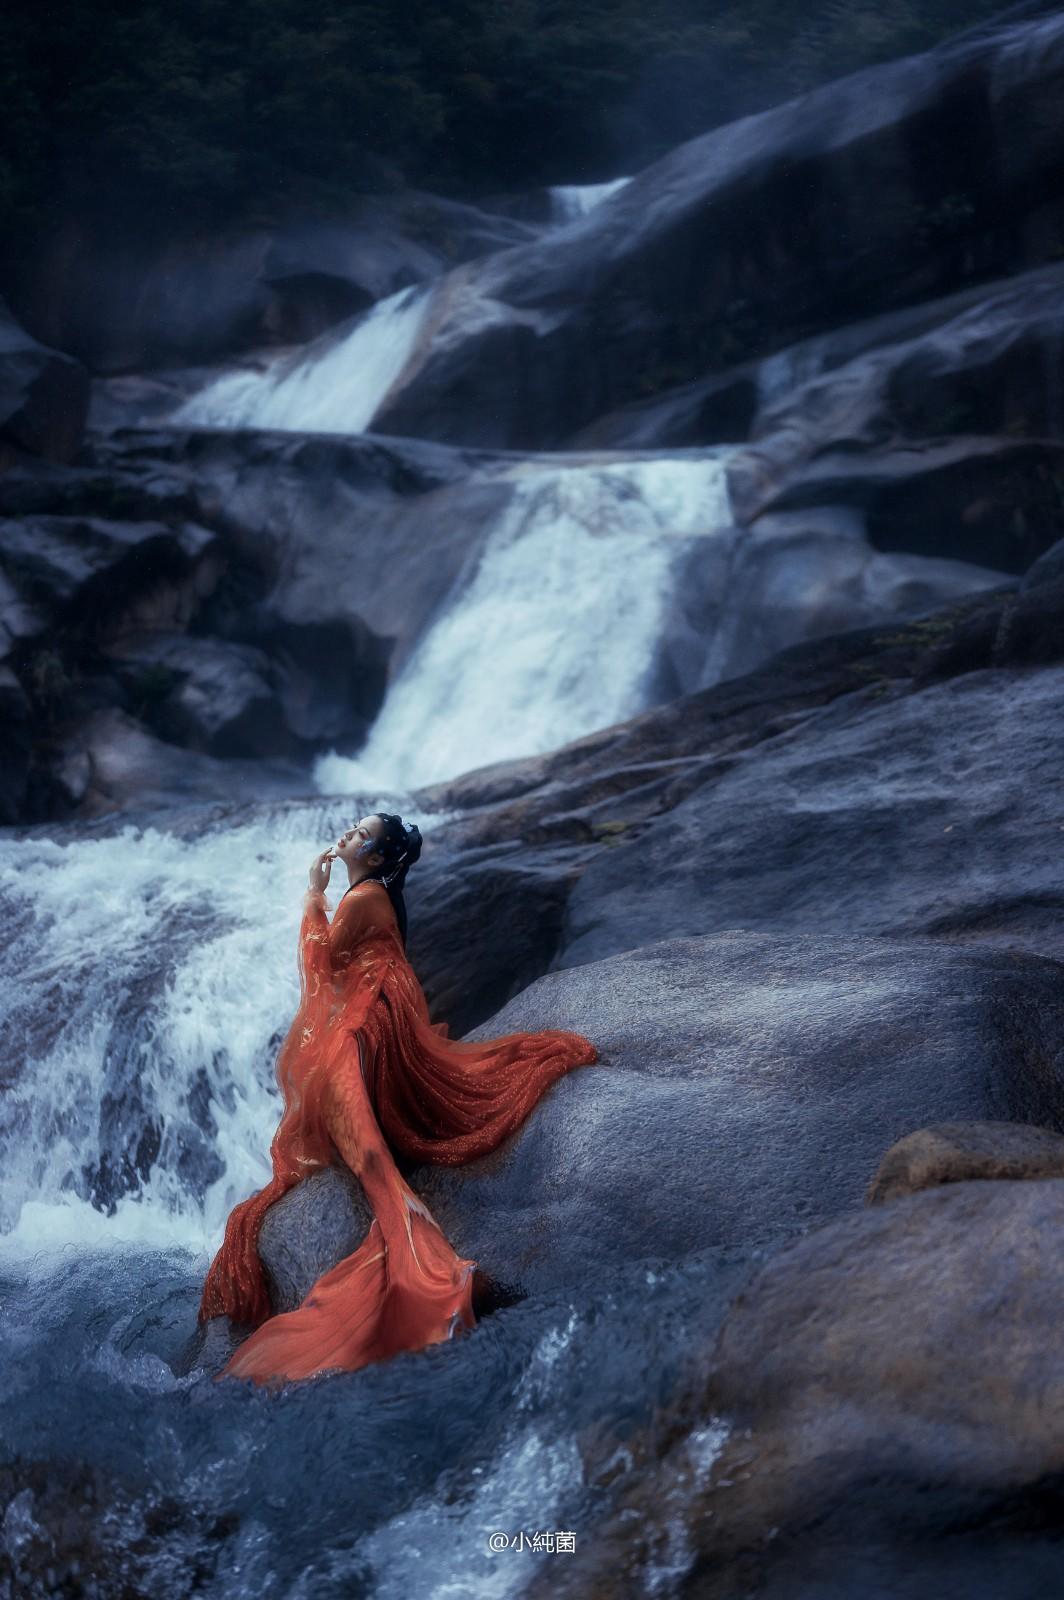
(556, 632)
(572, 200)
(145, 977)
(439, 1550)
(334, 385)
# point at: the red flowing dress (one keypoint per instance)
(364, 1073)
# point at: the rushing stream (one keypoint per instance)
(146, 979)
(148, 976)
(334, 385)
(559, 629)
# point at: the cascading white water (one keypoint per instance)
(147, 980)
(556, 632)
(333, 385)
(570, 201)
(145, 986)
(781, 374)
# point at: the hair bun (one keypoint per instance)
(412, 842)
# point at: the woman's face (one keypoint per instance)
(355, 847)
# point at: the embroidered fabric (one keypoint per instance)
(366, 1075)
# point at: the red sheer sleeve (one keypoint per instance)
(341, 965)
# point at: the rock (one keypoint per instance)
(768, 775)
(206, 694)
(210, 1347)
(137, 400)
(929, 430)
(120, 574)
(71, 1527)
(988, 501)
(16, 744)
(44, 395)
(101, 571)
(806, 574)
(330, 533)
(774, 1069)
(129, 771)
(957, 1152)
(1048, 569)
(980, 362)
(720, 409)
(881, 1414)
(455, 945)
(311, 1228)
(148, 300)
(677, 275)
(923, 815)
(976, 361)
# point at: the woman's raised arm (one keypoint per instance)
(325, 947)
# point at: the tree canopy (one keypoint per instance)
(226, 108)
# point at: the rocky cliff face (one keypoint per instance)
(896, 186)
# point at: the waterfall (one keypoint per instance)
(557, 631)
(146, 986)
(336, 384)
(779, 375)
(148, 978)
(570, 201)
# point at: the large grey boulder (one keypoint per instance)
(119, 572)
(881, 1415)
(747, 1086)
(988, 501)
(979, 361)
(901, 183)
(108, 763)
(311, 1228)
(935, 815)
(206, 694)
(332, 532)
(757, 804)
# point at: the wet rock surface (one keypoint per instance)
(957, 147)
(311, 1228)
(774, 1071)
(879, 1410)
(889, 781)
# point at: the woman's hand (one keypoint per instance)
(320, 869)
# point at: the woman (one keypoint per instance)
(364, 1073)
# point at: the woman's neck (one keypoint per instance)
(363, 877)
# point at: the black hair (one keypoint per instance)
(400, 847)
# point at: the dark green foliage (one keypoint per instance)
(227, 109)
